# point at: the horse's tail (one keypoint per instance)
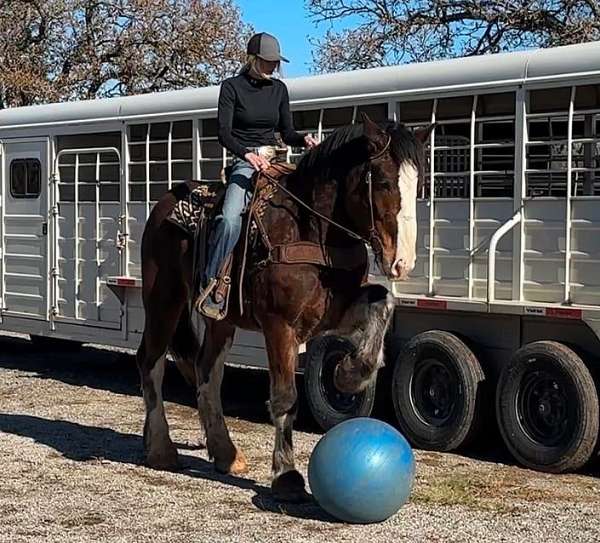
(161, 241)
(165, 284)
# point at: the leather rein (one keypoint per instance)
(374, 240)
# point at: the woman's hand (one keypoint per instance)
(258, 162)
(310, 142)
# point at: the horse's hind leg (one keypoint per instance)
(184, 345)
(160, 452)
(218, 338)
(282, 348)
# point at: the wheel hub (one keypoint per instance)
(543, 407)
(434, 390)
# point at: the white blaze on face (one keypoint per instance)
(406, 242)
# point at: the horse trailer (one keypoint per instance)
(500, 319)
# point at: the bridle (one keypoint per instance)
(373, 239)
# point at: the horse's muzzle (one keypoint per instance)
(400, 269)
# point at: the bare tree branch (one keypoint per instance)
(383, 32)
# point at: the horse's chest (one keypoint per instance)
(295, 293)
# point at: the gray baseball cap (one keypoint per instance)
(265, 46)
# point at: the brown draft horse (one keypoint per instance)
(364, 177)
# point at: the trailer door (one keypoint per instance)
(88, 215)
(24, 230)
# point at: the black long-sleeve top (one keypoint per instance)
(251, 110)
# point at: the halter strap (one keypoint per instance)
(385, 148)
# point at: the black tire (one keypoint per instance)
(547, 408)
(55, 344)
(437, 386)
(327, 405)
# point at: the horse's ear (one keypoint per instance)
(422, 134)
(375, 136)
(372, 131)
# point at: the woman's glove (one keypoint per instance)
(258, 162)
(310, 142)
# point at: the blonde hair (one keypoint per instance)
(251, 65)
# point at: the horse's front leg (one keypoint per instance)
(365, 324)
(282, 348)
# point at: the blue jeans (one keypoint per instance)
(228, 224)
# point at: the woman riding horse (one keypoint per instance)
(251, 106)
(359, 186)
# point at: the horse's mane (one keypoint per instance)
(320, 156)
(347, 146)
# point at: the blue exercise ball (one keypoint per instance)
(362, 471)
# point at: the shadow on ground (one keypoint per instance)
(83, 443)
(245, 391)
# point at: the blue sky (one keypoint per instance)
(289, 21)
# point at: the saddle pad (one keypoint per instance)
(205, 196)
(189, 209)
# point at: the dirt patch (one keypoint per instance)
(70, 442)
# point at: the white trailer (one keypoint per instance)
(501, 316)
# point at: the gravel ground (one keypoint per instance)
(71, 469)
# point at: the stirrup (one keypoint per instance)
(204, 294)
(212, 312)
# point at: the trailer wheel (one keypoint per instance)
(327, 405)
(436, 391)
(547, 408)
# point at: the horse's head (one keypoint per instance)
(382, 198)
